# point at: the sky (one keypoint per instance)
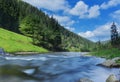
(91, 19)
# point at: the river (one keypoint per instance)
(53, 67)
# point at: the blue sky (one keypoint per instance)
(88, 18)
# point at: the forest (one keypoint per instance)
(23, 18)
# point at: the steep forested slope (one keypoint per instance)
(21, 17)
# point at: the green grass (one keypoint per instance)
(118, 61)
(13, 42)
(107, 53)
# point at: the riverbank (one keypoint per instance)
(107, 53)
(112, 55)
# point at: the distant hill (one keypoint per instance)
(13, 42)
(105, 42)
(23, 18)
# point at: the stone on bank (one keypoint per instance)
(112, 78)
(111, 63)
(85, 80)
(2, 52)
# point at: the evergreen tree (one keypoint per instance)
(114, 35)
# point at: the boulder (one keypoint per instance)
(111, 63)
(2, 52)
(115, 59)
(108, 63)
(112, 78)
(85, 80)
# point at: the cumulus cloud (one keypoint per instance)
(80, 9)
(102, 32)
(116, 15)
(94, 11)
(64, 20)
(110, 3)
(53, 5)
(70, 28)
(84, 11)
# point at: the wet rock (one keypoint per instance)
(85, 80)
(2, 52)
(108, 63)
(112, 78)
(111, 63)
(117, 58)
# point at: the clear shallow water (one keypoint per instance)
(53, 67)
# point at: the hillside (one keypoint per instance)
(74, 42)
(13, 42)
(23, 18)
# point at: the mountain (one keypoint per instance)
(23, 18)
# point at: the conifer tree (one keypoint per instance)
(114, 35)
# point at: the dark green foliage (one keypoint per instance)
(9, 15)
(20, 17)
(114, 35)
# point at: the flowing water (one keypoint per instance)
(53, 67)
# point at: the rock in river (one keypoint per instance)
(112, 78)
(108, 63)
(85, 80)
(111, 63)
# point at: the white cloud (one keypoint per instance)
(64, 20)
(116, 15)
(110, 3)
(80, 9)
(94, 11)
(87, 34)
(100, 33)
(53, 5)
(84, 11)
(70, 28)
(70, 23)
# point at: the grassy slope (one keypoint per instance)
(108, 53)
(13, 42)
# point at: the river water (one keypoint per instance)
(53, 67)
